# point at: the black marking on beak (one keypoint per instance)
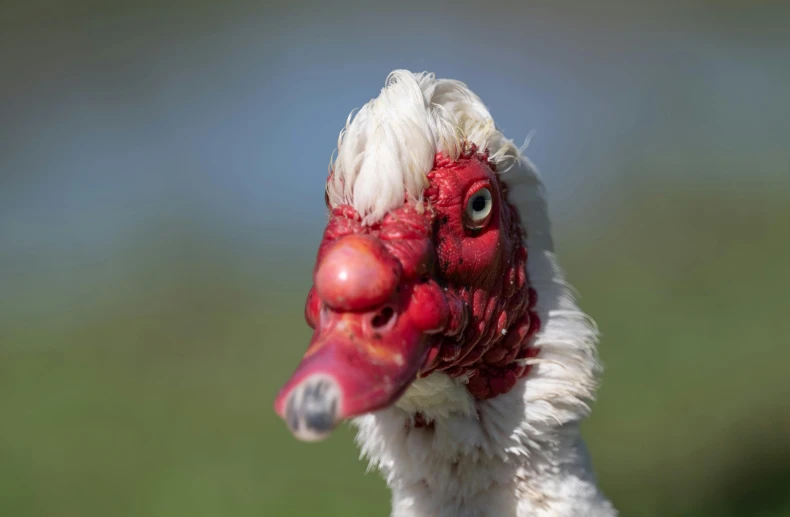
(312, 409)
(290, 415)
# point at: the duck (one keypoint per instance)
(444, 329)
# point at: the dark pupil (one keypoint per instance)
(478, 203)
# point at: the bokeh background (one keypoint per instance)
(161, 199)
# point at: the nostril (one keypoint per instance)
(383, 320)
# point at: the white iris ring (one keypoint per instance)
(479, 206)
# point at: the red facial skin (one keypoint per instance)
(421, 291)
(486, 269)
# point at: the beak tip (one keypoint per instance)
(311, 435)
(311, 409)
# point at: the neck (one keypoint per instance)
(485, 462)
(463, 462)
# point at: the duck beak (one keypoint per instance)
(374, 328)
(356, 363)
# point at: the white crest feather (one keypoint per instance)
(386, 150)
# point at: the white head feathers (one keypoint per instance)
(385, 151)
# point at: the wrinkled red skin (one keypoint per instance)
(460, 296)
(486, 269)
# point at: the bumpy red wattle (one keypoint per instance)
(486, 272)
(470, 289)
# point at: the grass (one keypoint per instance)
(155, 400)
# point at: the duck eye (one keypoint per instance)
(478, 208)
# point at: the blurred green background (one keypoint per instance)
(161, 198)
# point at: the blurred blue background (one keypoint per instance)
(162, 168)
